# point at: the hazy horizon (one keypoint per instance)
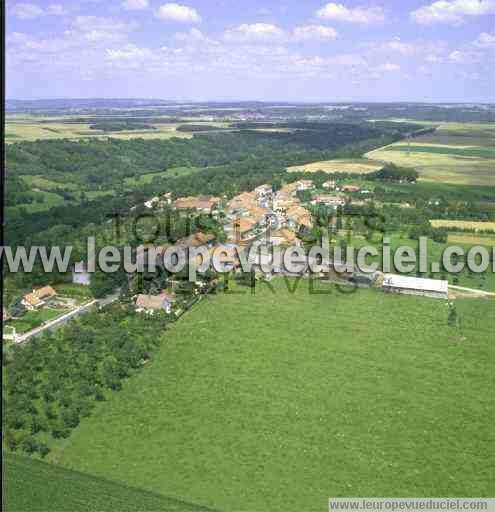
(243, 101)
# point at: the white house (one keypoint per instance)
(80, 274)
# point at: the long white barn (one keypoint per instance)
(410, 285)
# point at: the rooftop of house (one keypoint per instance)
(196, 240)
(244, 200)
(37, 296)
(297, 211)
(154, 301)
(245, 224)
(351, 188)
(196, 202)
(286, 234)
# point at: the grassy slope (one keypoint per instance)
(276, 402)
(34, 486)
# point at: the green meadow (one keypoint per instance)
(34, 486)
(279, 399)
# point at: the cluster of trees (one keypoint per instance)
(393, 173)
(439, 235)
(55, 381)
(198, 128)
(119, 126)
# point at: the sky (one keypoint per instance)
(228, 50)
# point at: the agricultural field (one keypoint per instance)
(246, 407)
(357, 166)
(468, 239)
(464, 225)
(45, 128)
(456, 153)
(34, 486)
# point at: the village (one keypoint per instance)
(279, 218)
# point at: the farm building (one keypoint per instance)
(203, 204)
(351, 188)
(149, 303)
(329, 200)
(39, 297)
(304, 185)
(329, 185)
(410, 285)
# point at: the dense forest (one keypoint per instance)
(100, 163)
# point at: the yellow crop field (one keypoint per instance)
(359, 166)
(464, 224)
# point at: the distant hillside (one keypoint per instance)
(32, 485)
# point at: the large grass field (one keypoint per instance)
(460, 153)
(276, 401)
(356, 166)
(34, 486)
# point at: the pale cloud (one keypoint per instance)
(397, 45)
(363, 15)
(433, 59)
(57, 10)
(453, 12)
(485, 41)
(129, 52)
(27, 11)
(457, 56)
(387, 67)
(317, 32)
(95, 29)
(135, 5)
(179, 13)
(192, 35)
(254, 32)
